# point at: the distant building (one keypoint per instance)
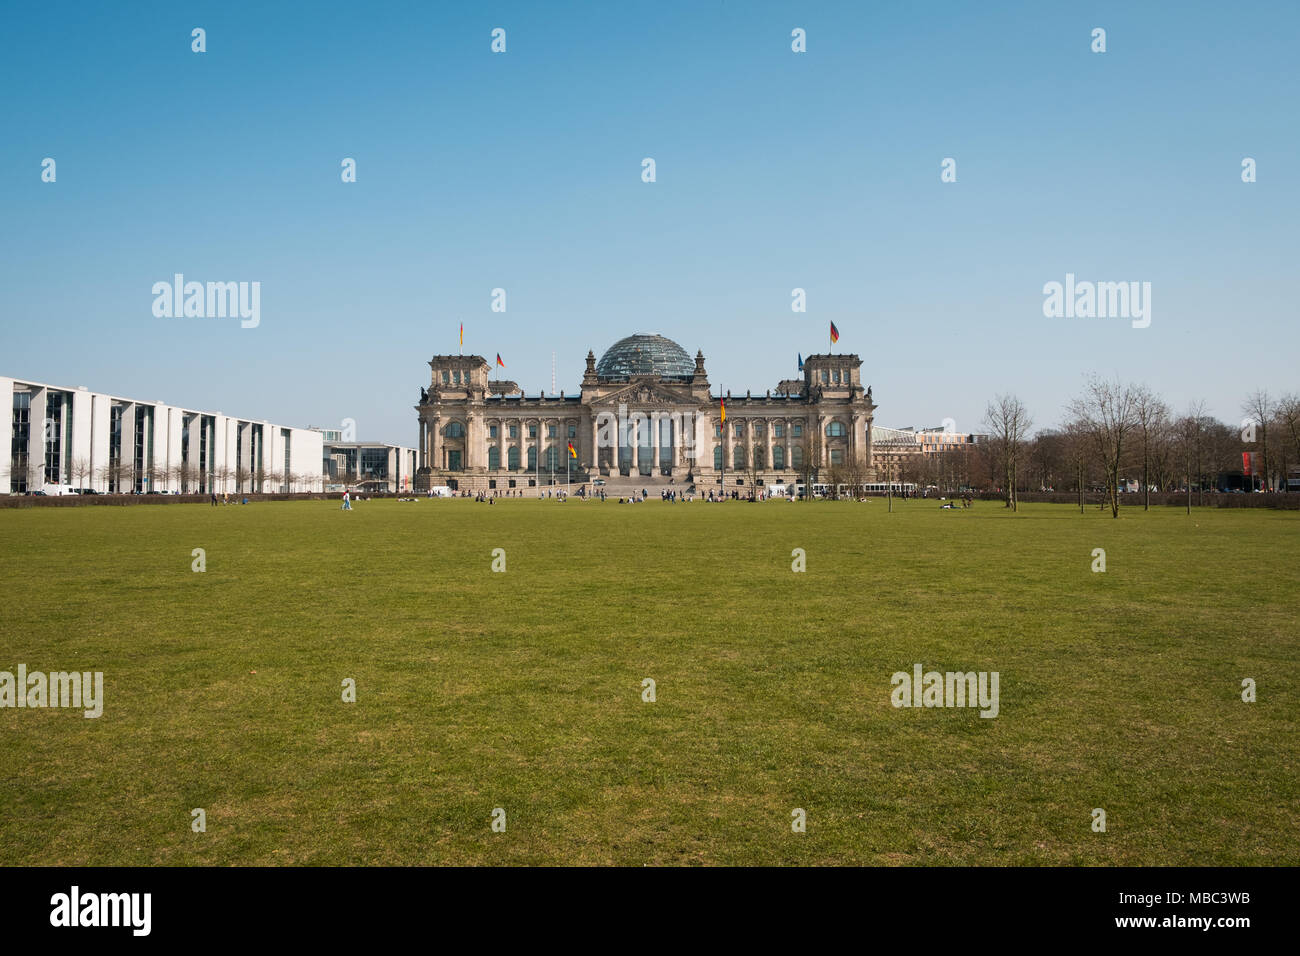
(368, 466)
(645, 415)
(76, 438)
(898, 447)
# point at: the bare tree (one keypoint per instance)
(222, 476)
(1107, 411)
(1261, 409)
(79, 469)
(1152, 419)
(1288, 418)
(1008, 423)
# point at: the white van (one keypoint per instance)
(441, 491)
(57, 491)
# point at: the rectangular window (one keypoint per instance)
(826, 377)
(532, 431)
(796, 430)
(492, 431)
(446, 377)
(778, 430)
(837, 456)
(550, 431)
(514, 431)
(573, 431)
(739, 431)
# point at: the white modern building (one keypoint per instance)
(371, 466)
(75, 438)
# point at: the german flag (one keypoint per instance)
(573, 452)
(724, 411)
(835, 334)
(499, 362)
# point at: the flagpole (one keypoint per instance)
(723, 402)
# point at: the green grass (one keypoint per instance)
(522, 690)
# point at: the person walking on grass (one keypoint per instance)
(347, 502)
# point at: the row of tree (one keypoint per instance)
(1115, 433)
(120, 477)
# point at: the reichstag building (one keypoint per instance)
(645, 416)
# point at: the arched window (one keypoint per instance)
(717, 458)
(494, 458)
(796, 456)
(835, 430)
(454, 430)
(532, 457)
(758, 457)
(738, 458)
(512, 457)
(778, 456)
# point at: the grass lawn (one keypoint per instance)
(522, 690)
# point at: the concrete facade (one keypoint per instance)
(76, 438)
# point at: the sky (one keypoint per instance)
(774, 170)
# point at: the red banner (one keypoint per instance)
(1246, 462)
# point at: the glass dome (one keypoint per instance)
(643, 354)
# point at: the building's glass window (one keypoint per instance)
(796, 456)
(53, 436)
(738, 458)
(758, 457)
(778, 430)
(573, 431)
(796, 430)
(514, 431)
(454, 430)
(532, 431)
(778, 456)
(552, 458)
(20, 470)
(512, 459)
(717, 430)
(494, 457)
(492, 431)
(759, 429)
(738, 430)
(837, 456)
(717, 458)
(446, 377)
(373, 463)
(550, 431)
(532, 457)
(835, 430)
(826, 377)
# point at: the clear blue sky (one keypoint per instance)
(775, 170)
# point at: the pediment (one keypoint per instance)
(640, 394)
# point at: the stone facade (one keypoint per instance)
(645, 414)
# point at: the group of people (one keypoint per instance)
(225, 499)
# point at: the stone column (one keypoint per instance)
(655, 423)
